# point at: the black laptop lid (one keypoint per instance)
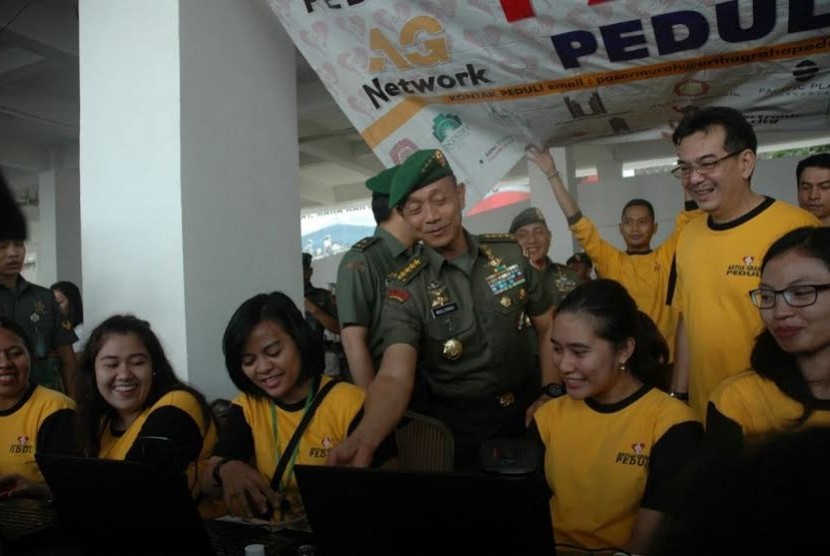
(141, 508)
(375, 511)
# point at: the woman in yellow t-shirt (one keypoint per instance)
(613, 444)
(32, 418)
(132, 406)
(789, 385)
(276, 362)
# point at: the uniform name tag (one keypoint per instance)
(505, 278)
(444, 310)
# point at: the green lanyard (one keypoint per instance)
(289, 470)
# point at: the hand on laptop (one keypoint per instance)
(14, 485)
(351, 452)
(246, 492)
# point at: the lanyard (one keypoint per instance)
(289, 470)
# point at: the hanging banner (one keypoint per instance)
(480, 79)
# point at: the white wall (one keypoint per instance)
(240, 171)
(131, 207)
(189, 169)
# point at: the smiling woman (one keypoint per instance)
(132, 406)
(276, 362)
(789, 386)
(32, 418)
(614, 443)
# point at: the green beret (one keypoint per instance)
(530, 215)
(306, 261)
(420, 169)
(382, 182)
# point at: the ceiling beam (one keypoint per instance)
(343, 152)
(20, 155)
(316, 192)
(43, 109)
(43, 26)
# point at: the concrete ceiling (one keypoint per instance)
(39, 109)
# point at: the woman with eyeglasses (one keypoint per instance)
(789, 385)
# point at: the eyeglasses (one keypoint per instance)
(683, 171)
(795, 296)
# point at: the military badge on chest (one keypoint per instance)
(40, 309)
(442, 308)
(503, 278)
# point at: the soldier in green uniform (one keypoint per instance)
(362, 279)
(34, 308)
(320, 307)
(461, 311)
(532, 233)
(320, 304)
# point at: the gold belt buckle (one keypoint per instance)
(506, 400)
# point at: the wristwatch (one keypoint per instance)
(553, 390)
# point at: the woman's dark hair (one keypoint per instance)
(276, 307)
(17, 330)
(767, 357)
(93, 410)
(76, 305)
(616, 319)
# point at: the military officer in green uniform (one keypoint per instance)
(362, 278)
(461, 311)
(34, 308)
(534, 237)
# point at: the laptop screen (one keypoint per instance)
(141, 508)
(378, 511)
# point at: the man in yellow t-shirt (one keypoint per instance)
(642, 270)
(718, 258)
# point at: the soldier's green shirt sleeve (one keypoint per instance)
(539, 300)
(355, 291)
(402, 321)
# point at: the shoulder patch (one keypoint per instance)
(398, 294)
(364, 243)
(409, 270)
(494, 238)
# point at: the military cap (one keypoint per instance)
(530, 215)
(306, 261)
(421, 168)
(382, 182)
(581, 258)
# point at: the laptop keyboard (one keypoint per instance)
(230, 538)
(21, 517)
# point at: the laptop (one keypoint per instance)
(122, 507)
(379, 511)
(22, 519)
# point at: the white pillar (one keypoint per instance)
(46, 245)
(541, 196)
(59, 245)
(189, 169)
